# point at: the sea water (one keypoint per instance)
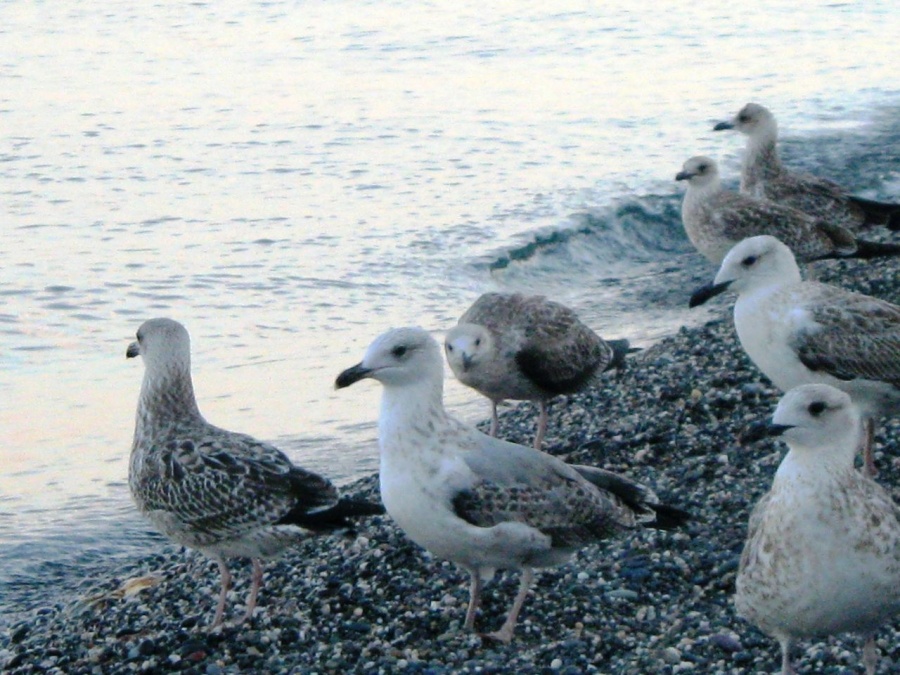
(290, 179)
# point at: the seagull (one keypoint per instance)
(803, 332)
(521, 347)
(479, 501)
(223, 493)
(715, 219)
(764, 176)
(823, 550)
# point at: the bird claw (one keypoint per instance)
(496, 636)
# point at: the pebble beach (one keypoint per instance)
(373, 602)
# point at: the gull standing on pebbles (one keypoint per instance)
(763, 176)
(715, 219)
(823, 549)
(521, 347)
(222, 493)
(478, 501)
(802, 332)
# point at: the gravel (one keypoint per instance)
(648, 602)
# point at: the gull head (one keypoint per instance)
(164, 345)
(815, 417)
(753, 120)
(699, 172)
(466, 345)
(755, 262)
(397, 358)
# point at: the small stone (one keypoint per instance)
(671, 655)
(726, 642)
(556, 664)
(623, 593)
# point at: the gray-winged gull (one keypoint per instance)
(715, 219)
(764, 176)
(801, 332)
(525, 347)
(823, 550)
(222, 493)
(478, 501)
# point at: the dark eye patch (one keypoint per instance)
(816, 408)
(399, 351)
(749, 261)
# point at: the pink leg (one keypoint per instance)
(505, 633)
(869, 448)
(495, 421)
(542, 425)
(256, 582)
(786, 668)
(226, 584)
(475, 585)
(870, 655)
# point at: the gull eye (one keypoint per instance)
(449, 348)
(702, 168)
(816, 408)
(749, 261)
(477, 342)
(743, 117)
(399, 351)
(140, 336)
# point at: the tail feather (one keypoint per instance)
(334, 517)
(866, 250)
(620, 349)
(879, 213)
(636, 496)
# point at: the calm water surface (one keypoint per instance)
(290, 179)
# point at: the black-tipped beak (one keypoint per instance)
(760, 430)
(351, 375)
(701, 295)
(684, 175)
(466, 362)
(723, 126)
(134, 349)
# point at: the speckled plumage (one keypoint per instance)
(823, 548)
(481, 502)
(521, 347)
(715, 219)
(764, 177)
(223, 493)
(800, 332)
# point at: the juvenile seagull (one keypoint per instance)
(802, 332)
(763, 176)
(520, 347)
(478, 501)
(222, 493)
(715, 219)
(823, 550)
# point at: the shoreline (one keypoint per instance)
(646, 601)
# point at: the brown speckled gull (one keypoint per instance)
(715, 219)
(800, 332)
(823, 549)
(764, 176)
(526, 347)
(478, 501)
(223, 493)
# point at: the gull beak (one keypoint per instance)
(466, 361)
(684, 175)
(134, 349)
(723, 126)
(351, 375)
(760, 430)
(704, 293)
